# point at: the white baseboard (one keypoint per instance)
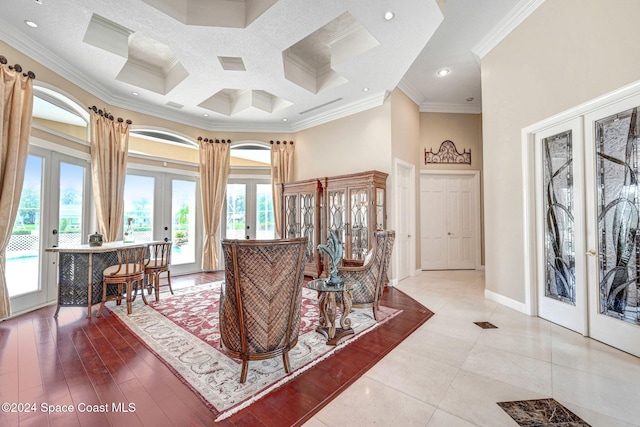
(418, 271)
(507, 302)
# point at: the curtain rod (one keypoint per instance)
(108, 115)
(217, 141)
(17, 67)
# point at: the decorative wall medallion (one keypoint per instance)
(448, 153)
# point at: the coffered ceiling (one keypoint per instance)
(260, 65)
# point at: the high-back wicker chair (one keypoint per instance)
(261, 299)
(372, 275)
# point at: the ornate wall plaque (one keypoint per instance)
(448, 153)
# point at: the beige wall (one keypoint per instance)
(352, 144)
(565, 53)
(465, 130)
(405, 140)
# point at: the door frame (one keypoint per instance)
(398, 165)
(527, 145)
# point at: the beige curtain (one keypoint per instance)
(109, 150)
(215, 157)
(16, 105)
(281, 172)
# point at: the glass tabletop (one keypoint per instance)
(321, 285)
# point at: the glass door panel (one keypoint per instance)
(23, 251)
(617, 158)
(183, 221)
(562, 292)
(359, 225)
(71, 204)
(139, 206)
(265, 222)
(236, 212)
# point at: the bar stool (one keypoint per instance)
(129, 270)
(159, 262)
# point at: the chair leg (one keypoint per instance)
(375, 312)
(285, 361)
(169, 281)
(144, 298)
(104, 297)
(156, 285)
(129, 299)
(243, 374)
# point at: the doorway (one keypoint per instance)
(449, 220)
(164, 206)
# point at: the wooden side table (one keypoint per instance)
(328, 305)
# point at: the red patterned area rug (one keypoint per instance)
(183, 331)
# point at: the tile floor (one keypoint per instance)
(451, 372)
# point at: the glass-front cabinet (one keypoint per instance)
(351, 205)
(356, 209)
(301, 207)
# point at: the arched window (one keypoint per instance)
(251, 153)
(57, 111)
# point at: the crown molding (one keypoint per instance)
(515, 17)
(434, 107)
(410, 90)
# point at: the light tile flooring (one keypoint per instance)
(451, 372)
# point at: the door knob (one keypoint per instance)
(449, 233)
(592, 253)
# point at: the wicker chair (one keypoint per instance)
(372, 274)
(159, 261)
(261, 299)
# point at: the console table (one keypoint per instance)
(80, 270)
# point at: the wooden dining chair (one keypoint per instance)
(128, 272)
(159, 262)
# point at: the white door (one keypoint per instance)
(613, 223)
(54, 209)
(561, 289)
(449, 220)
(405, 219)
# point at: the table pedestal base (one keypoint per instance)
(338, 336)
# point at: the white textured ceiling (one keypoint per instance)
(306, 61)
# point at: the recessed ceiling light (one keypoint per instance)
(135, 93)
(389, 16)
(285, 120)
(443, 72)
(365, 89)
(31, 24)
(205, 115)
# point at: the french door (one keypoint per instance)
(248, 211)
(53, 211)
(164, 206)
(589, 220)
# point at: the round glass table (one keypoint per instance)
(328, 304)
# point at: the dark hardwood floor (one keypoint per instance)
(47, 364)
